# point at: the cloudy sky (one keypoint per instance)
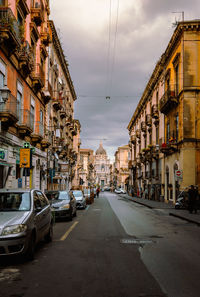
(112, 47)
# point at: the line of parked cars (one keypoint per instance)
(27, 217)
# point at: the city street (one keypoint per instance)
(114, 248)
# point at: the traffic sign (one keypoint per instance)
(178, 173)
(27, 145)
(25, 158)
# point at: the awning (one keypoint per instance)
(6, 164)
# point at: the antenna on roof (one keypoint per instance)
(177, 21)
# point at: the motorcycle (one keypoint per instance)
(181, 202)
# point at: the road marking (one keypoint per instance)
(135, 241)
(69, 231)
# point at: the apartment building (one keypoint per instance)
(121, 169)
(36, 98)
(86, 171)
(164, 129)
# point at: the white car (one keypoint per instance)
(120, 191)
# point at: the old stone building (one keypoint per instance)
(164, 129)
(102, 167)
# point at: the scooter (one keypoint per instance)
(181, 202)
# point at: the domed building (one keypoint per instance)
(102, 167)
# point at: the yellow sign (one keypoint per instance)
(25, 157)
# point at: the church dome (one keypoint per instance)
(100, 150)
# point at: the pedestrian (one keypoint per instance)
(192, 199)
(98, 190)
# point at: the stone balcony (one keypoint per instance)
(168, 102)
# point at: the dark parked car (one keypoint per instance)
(63, 204)
(80, 199)
(25, 219)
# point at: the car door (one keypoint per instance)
(38, 220)
(45, 212)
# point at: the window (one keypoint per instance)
(2, 75)
(43, 200)
(168, 131)
(177, 80)
(41, 116)
(157, 135)
(32, 109)
(177, 126)
(19, 98)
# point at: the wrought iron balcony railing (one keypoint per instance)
(168, 101)
(26, 121)
(9, 110)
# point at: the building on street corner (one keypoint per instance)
(164, 129)
(121, 170)
(36, 100)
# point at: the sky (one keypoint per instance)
(112, 47)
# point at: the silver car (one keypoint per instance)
(25, 219)
(80, 199)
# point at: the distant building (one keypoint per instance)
(121, 171)
(102, 167)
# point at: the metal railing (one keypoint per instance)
(10, 106)
(8, 20)
(26, 118)
(39, 73)
(39, 129)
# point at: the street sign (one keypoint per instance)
(178, 173)
(27, 145)
(25, 158)
(2, 154)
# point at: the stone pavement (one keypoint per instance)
(179, 213)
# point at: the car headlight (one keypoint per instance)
(15, 229)
(66, 206)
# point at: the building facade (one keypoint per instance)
(121, 170)
(164, 129)
(86, 171)
(36, 99)
(102, 167)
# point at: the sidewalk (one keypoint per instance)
(179, 213)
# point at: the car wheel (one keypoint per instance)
(49, 236)
(30, 252)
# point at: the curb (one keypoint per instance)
(170, 213)
(184, 218)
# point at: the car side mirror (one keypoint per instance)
(38, 209)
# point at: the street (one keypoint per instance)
(114, 248)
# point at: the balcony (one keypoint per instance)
(138, 133)
(47, 140)
(9, 30)
(26, 59)
(9, 111)
(148, 120)
(63, 113)
(133, 139)
(168, 101)
(26, 122)
(38, 77)
(38, 133)
(154, 111)
(56, 102)
(143, 126)
(45, 36)
(37, 12)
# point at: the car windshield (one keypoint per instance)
(62, 195)
(15, 201)
(77, 193)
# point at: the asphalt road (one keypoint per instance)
(114, 248)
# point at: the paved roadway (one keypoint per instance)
(114, 248)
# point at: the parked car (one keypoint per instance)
(120, 191)
(25, 219)
(80, 199)
(63, 204)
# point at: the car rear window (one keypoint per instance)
(15, 201)
(77, 193)
(59, 195)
